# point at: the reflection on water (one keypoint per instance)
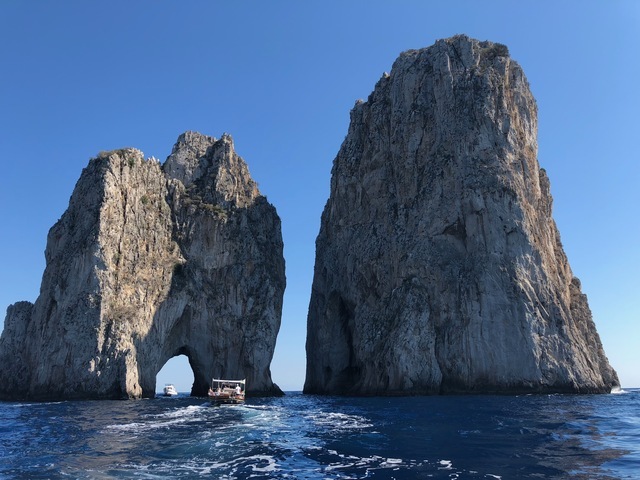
(325, 437)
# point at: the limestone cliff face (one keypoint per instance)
(439, 267)
(149, 262)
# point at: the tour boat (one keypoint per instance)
(170, 390)
(227, 391)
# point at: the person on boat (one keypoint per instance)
(238, 390)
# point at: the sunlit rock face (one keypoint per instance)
(148, 262)
(439, 267)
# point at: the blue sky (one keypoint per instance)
(79, 77)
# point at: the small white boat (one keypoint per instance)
(170, 390)
(227, 391)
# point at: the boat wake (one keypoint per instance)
(154, 421)
(322, 438)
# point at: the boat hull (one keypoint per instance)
(223, 399)
(170, 391)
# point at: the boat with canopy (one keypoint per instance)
(227, 391)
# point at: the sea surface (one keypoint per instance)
(311, 437)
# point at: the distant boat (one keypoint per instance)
(170, 390)
(227, 391)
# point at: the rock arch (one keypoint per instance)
(198, 369)
(176, 371)
(150, 261)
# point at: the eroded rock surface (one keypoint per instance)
(148, 262)
(439, 267)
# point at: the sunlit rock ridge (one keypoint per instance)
(148, 262)
(439, 268)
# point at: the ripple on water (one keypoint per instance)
(323, 437)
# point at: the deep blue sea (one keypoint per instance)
(311, 437)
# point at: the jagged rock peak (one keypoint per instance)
(470, 52)
(439, 267)
(200, 159)
(142, 267)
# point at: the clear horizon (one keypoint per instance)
(281, 78)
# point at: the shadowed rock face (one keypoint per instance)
(439, 267)
(149, 262)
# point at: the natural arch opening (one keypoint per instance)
(178, 372)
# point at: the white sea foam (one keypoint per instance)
(25, 405)
(271, 464)
(137, 427)
(340, 421)
(257, 407)
(370, 464)
(161, 420)
(188, 411)
(258, 464)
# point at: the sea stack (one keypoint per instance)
(148, 262)
(439, 268)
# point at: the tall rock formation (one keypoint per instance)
(439, 267)
(149, 262)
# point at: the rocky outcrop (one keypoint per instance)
(439, 267)
(148, 262)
